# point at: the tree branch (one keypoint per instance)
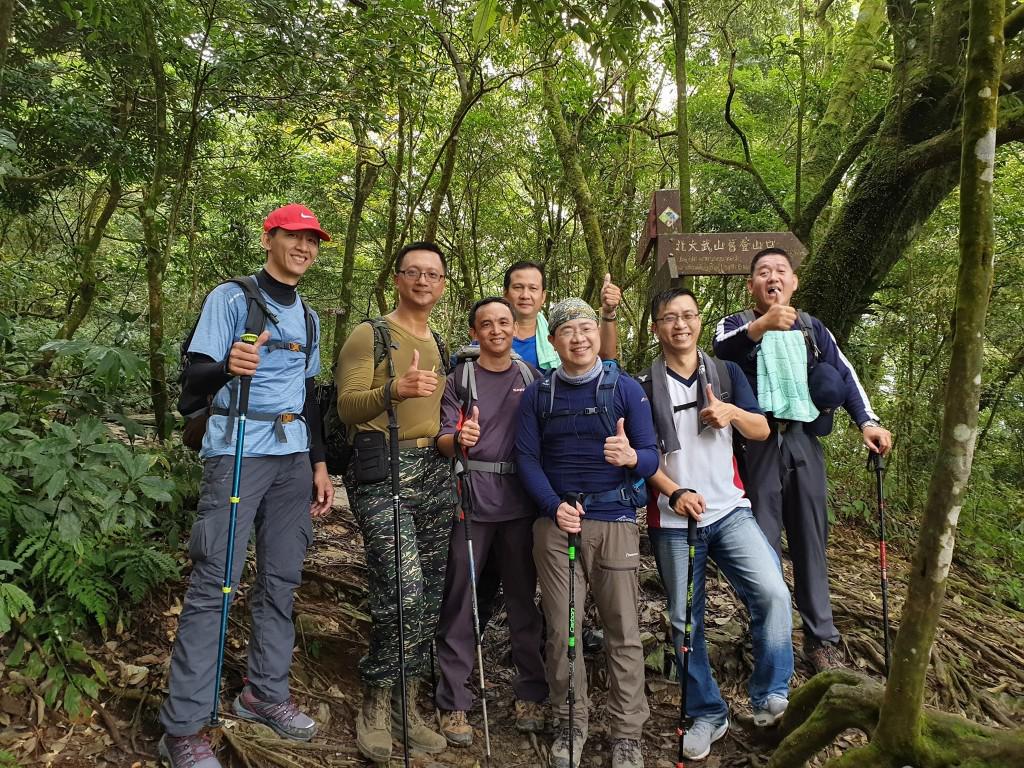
(945, 147)
(822, 197)
(1014, 22)
(746, 167)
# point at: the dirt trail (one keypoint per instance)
(978, 669)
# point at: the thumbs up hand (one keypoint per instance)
(617, 450)
(611, 295)
(416, 383)
(469, 435)
(244, 358)
(716, 413)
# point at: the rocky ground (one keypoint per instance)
(977, 670)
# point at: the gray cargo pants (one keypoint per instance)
(274, 494)
(785, 479)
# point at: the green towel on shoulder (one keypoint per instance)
(547, 358)
(782, 377)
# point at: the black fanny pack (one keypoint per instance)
(370, 459)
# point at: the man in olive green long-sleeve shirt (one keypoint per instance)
(427, 503)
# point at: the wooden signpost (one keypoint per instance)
(710, 253)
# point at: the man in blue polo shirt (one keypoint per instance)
(586, 429)
(283, 468)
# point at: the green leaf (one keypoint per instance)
(156, 488)
(72, 702)
(483, 20)
(55, 484)
(69, 527)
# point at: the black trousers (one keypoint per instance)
(784, 477)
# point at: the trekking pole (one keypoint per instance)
(397, 524)
(243, 407)
(878, 461)
(464, 488)
(684, 649)
(575, 541)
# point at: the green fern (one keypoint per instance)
(142, 568)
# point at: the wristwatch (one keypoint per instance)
(676, 495)
(869, 423)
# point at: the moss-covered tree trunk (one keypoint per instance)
(576, 181)
(899, 727)
(903, 732)
(364, 180)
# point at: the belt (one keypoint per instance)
(494, 467)
(419, 442)
(278, 420)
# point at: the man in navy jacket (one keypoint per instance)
(571, 439)
(785, 474)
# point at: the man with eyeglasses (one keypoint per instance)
(586, 429)
(785, 475)
(365, 389)
(697, 403)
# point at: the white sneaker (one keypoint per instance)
(700, 736)
(772, 711)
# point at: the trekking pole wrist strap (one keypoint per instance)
(677, 494)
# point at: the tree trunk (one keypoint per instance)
(679, 14)
(6, 18)
(364, 179)
(390, 245)
(444, 181)
(156, 255)
(899, 731)
(576, 181)
(834, 129)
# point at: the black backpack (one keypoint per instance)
(336, 435)
(196, 407)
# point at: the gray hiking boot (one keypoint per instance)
(285, 717)
(422, 737)
(187, 752)
(771, 711)
(373, 725)
(560, 748)
(626, 753)
(700, 736)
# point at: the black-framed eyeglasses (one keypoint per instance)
(412, 274)
(673, 318)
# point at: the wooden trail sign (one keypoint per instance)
(709, 253)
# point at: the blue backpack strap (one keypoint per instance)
(606, 395)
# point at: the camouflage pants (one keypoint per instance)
(427, 509)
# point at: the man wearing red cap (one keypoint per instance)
(283, 467)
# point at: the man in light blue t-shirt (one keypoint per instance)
(283, 468)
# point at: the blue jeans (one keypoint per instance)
(743, 554)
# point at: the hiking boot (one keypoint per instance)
(421, 736)
(626, 753)
(285, 718)
(187, 752)
(560, 748)
(771, 711)
(530, 716)
(456, 728)
(700, 736)
(373, 732)
(824, 656)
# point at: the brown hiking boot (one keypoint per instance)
(824, 656)
(373, 735)
(529, 716)
(456, 728)
(421, 736)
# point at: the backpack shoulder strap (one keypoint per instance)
(646, 383)
(442, 350)
(807, 327)
(748, 316)
(606, 394)
(546, 395)
(311, 340)
(724, 380)
(524, 370)
(381, 339)
(465, 384)
(257, 311)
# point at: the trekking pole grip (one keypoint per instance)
(575, 539)
(876, 461)
(691, 532)
(243, 393)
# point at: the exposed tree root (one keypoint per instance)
(837, 700)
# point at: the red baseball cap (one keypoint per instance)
(294, 217)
